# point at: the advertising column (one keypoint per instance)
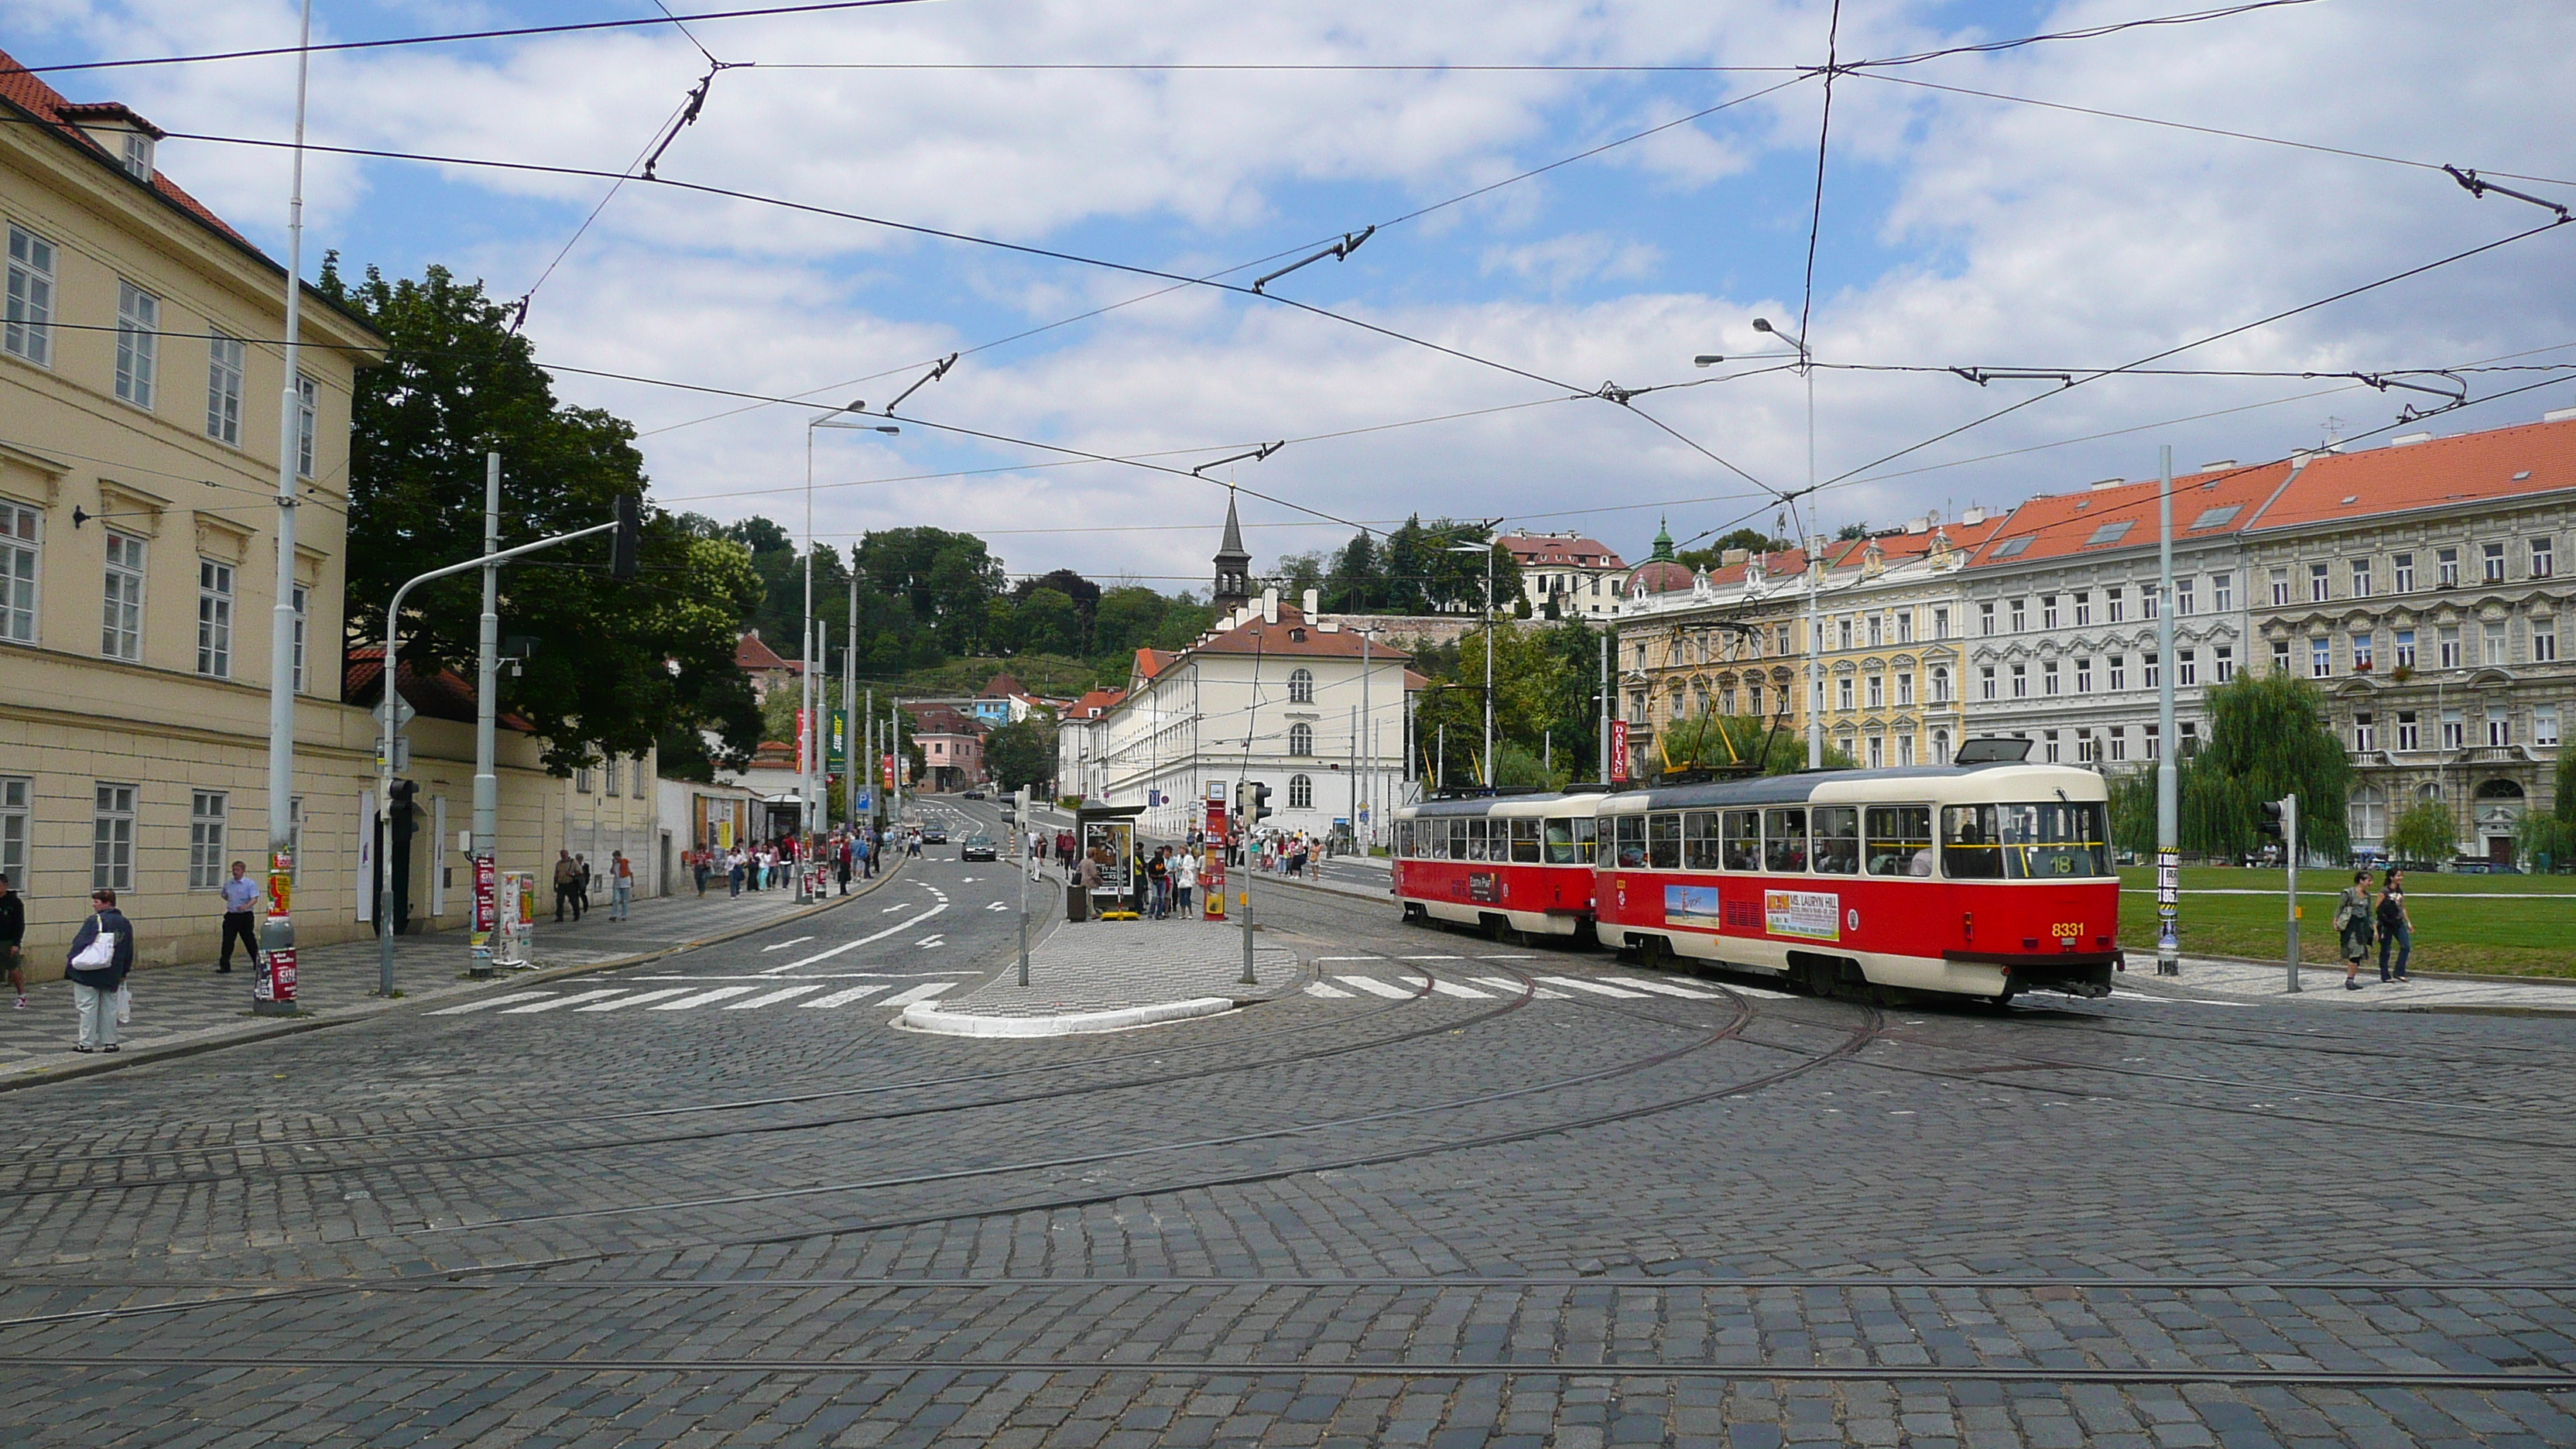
(1212, 877)
(272, 990)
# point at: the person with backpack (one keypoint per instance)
(2395, 929)
(2352, 927)
(100, 956)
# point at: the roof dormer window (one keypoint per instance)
(138, 155)
(114, 128)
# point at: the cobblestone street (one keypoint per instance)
(1434, 1191)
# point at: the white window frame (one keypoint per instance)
(2154, 671)
(2185, 601)
(2187, 668)
(2280, 588)
(22, 551)
(303, 621)
(2119, 743)
(2115, 673)
(2320, 583)
(111, 836)
(2114, 603)
(308, 405)
(2403, 650)
(2544, 725)
(2544, 557)
(138, 344)
(2365, 733)
(2320, 656)
(2401, 570)
(2409, 731)
(2020, 682)
(1986, 680)
(2083, 676)
(227, 362)
(2365, 650)
(17, 814)
(1301, 686)
(26, 328)
(2223, 659)
(2361, 578)
(1301, 792)
(2020, 616)
(2491, 563)
(214, 619)
(122, 597)
(2544, 641)
(206, 813)
(1301, 740)
(1985, 620)
(2048, 678)
(2084, 610)
(2446, 566)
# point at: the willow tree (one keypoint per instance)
(2268, 737)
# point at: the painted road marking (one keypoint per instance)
(923, 992)
(604, 991)
(1431, 958)
(640, 999)
(495, 1001)
(1447, 988)
(773, 998)
(783, 945)
(1661, 988)
(844, 998)
(930, 943)
(863, 940)
(1375, 987)
(1594, 987)
(1346, 958)
(1318, 988)
(998, 906)
(703, 997)
(1515, 988)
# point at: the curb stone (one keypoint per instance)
(920, 1017)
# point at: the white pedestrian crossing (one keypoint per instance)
(488, 1005)
(1516, 988)
(923, 992)
(1375, 987)
(562, 1001)
(1318, 988)
(774, 997)
(844, 998)
(1452, 988)
(1662, 988)
(1595, 987)
(640, 999)
(721, 993)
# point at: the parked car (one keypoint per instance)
(974, 794)
(977, 847)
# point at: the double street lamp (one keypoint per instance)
(809, 741)
(1815, 569)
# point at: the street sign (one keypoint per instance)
(403, 713)
(1618, 750)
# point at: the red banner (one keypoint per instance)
(1618, 751)
(803, 730)
(487, 907)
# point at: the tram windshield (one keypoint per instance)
(2025, 842)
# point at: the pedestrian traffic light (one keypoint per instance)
(2269, 827)
(625, 543)
(1260, 802)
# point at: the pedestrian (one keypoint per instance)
(2352, 927)
(1090, 875)
(842, 861)
(621, 884)
(580, 886)
(13, 938)
(566, 873)
(1185, 881)
(239, 893)
(866, 856)
(2394, 926)
(100, 956)
(698, 867)
(733, 872)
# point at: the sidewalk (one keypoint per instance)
(1111, 975)
(183, 1009)
(2321, 987)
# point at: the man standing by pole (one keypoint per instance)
(2168, 801)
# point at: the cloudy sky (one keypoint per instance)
(1202, 138)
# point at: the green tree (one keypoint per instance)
(2133, 811)
(2268, 738)
(2423, 831)
(1022, 753)
(1752, 540)
(620, 665)
(1050, 623)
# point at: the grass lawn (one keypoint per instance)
(2456, 927)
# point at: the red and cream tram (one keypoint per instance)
(1515, 862)
(1982, 879)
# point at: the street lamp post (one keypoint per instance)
(809, 694)
(1487, 549)
(1815, 572)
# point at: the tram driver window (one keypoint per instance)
(1743, 840)
(1583, 828)
(1784, 840)
(1837, 839)
(1900, 840)
(1631, 842)
(1699, 840)
(1664, 841)
(1969, 847)
(1560, 840)
(1524, 841)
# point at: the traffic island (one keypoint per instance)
(1112, 976)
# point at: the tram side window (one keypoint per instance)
(1525, 842)
(1632, 842)
(1699, 840)
(1900, 840)
(1457, 840)
(1403, 839)
(1583, 828)
(1837, 839)
(1560, 840)
(1784, 840)
(1970, 849)
(1664, 841)
(1476, 834)
(1743, 844)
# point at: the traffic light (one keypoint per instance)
(1260, 802)
(627, 540)
(403, 793)
(2269, 827)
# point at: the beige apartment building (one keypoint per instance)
(140, 386)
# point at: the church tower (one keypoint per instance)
(1233, 564)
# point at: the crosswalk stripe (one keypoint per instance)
(1515, 988)
(923, 992)
(703, 997)
(1374, 987)
(773, 998)
(1450, 988)
(1662, 988)
(495, 1001)
(565, 1000)
(638, 999)
(844, 998)
(1595, 987)
(1318, 988)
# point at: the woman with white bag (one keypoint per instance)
(101, 955)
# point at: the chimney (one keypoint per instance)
(2096, 487)
(1270, 606)
(2558, 415)
(1313, 603)
(1734, 556)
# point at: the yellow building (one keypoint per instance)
(140, 381)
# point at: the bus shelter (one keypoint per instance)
(1106, 834)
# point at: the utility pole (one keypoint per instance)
(1368, 723)
(1491, 544)
(851, 768)
(277, 932)
(1020, 827)
(2290, 857)
(487, 780)
(1605, 708)
(2168, 779)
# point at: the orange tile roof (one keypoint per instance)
(2208, 504)
(1260, 637)
(2466, 469)
(750, 653)
(31, 94)
(1540, 550)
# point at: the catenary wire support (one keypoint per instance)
(1255, 456)
(1349, 243)
(937, 371)
(688, 114)
(2454, 396)
(1983, 375)
(2479, 186)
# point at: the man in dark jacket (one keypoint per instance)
(13, 936)
(94, 987)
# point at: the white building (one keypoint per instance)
(1579, 575)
